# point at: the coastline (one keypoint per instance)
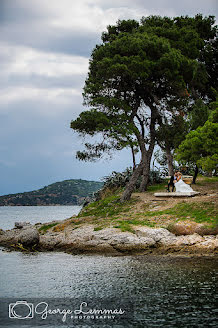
(108, 241)
(143, 225)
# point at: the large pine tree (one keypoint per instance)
(139, 72)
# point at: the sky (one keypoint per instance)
(45, 48)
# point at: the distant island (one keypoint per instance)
(67, 192)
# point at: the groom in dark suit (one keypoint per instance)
(171, 182)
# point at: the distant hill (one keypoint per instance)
(67, 192)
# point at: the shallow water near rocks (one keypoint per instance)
(165, 291)
(34, 214)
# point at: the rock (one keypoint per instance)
(128, 242)
(2, 231)
(210, 242)
(190, 227)
(109, 240)
(28, 236)
(20, 225)
(159, 235)
(189, 239)
(105, 234)
(7, 237)
(51, 242)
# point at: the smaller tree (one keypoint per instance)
(201, 146)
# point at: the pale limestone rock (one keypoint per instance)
(189, 240)
(29, 236)
(158, 235)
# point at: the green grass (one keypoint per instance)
(206, 181)
(45, 227)
(157, 187)
(199, 212)
(141, 222)
(98, 228)
(126, 225)
(110, 206)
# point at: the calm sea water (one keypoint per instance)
(34, 214)
(164, 291)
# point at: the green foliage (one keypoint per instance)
(189, 35)
(198, 115)
(159, 60)
(201, 146)
(117, 180)
(171, 132)
(155, 177)
(141, 75)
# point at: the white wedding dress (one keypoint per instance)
(181, 186)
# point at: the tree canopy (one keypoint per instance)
(139, 76)
(201, 145)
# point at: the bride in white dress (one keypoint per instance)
(180, 185)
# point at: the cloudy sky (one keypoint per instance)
(45, 46)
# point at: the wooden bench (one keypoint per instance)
(186, 178)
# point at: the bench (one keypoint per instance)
(176, 194)
(186, 178)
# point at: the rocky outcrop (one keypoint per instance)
(20, 225)
(26, 235)
(160, 236)
(109, 240)
(29, 236)
(190, 227)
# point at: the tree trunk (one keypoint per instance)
(131, 185)
(195, 175)
(169, 161)
(147, 155)
(145, 177)
(144, 166)
(133, 158)
(146, 170)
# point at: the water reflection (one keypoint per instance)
(166, 292)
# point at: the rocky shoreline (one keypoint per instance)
(111, 241)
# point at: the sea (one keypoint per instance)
(149, 291)
(34, 214)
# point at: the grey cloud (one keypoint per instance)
(24, 23)
(20, 11)
(46, 39)
(39, 81)
(178, 8)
